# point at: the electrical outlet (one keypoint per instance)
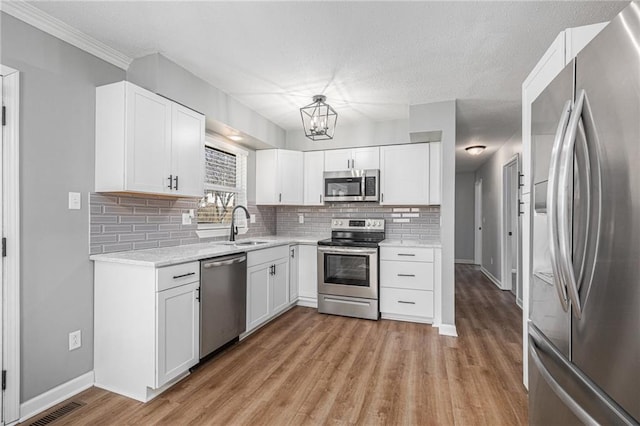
(74, 201)
(186, 219)
(75, 340)
(300, 218)
(252, 218)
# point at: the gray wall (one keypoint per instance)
(57, 107)
(491, 175)
(465, 207)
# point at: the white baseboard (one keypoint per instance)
(44, 401)
(448, 330)
(491, 277)
(407, 318)
(465, 261)
(309, 302)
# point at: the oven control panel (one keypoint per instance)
(372, 224)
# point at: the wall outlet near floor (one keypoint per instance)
(300, 218)
(252, 218)
(75, 340)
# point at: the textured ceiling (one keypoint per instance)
(371, 59)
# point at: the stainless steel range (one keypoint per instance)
(348, 268)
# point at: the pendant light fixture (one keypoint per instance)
(319, 119)
(475, 150)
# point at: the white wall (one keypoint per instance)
(465, 208)
(491, 175)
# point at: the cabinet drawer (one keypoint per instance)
(407, 254)
(177, 275)
(398, 301)
(256, 257)
(409, 275)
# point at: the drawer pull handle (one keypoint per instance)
(175, 277)
(406, 303)
(406, 254)
(406, 275)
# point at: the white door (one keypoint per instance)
(290, 168)
(337, 159)
(178, 334)
(148, 141)
(478, 223)
(2, 289)
(293, 273)
(404, 174)
(313, 178)
(366, 158)
(187, 151)
(280, 285)
(258, 302)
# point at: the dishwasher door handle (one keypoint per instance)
(224, 262)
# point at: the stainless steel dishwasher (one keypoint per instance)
(223, 301)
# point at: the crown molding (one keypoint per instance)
(25, 12)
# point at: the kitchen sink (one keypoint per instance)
(240, 243)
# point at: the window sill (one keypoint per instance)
(218, 232)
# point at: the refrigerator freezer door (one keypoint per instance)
(546, 310)
(606, 340)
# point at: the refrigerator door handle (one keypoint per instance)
(539, 343)
(565, 181)
(552, 211)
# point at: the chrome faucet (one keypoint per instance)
(234, 228)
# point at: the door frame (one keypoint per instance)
(478, 223)
(10, 227)
(507, 206)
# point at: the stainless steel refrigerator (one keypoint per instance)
(584, 323)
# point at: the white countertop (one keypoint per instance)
(410, 243)
(166, 256)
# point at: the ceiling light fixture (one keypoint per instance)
(236, 138)
(319, 119)
(476, 149)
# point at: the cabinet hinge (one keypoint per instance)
(4, 247)
(4, 379)
(4, 115)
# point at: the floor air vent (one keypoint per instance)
(55, 415)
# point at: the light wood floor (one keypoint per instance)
(308, 368)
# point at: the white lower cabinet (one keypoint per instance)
(294, 254)
(267, 285)
(408, 283)
(146, 326)
(308, 275)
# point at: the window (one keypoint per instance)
(225, 186)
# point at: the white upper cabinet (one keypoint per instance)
(356, 158)
(313, 178)
(146, 143)
(404, 174)
(279, 177)
(435, 172)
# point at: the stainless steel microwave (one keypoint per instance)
(352, 185)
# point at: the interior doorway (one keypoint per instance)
(511, 263)
(478, 223)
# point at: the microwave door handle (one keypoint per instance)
(362, 185)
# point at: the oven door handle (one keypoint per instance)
(349, 250)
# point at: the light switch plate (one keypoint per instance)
(252, 218)
(74, 201)
(300, 218)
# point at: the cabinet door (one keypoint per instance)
(308, 272)
(294, 252)
(290, 169)
(366, 158)
(313, 178)
(258, 297)
(178, 331)
(280, 285)
(337, 159)
(435, 173)
(148, 140)
(404, 174)
(187, 151)
(267, 177)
